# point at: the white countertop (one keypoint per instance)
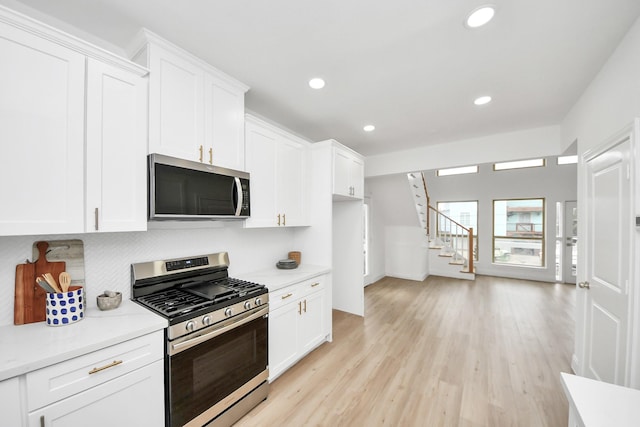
(602, 404)
(25, 348)
(274, 278)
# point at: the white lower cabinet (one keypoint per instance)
(118, 385)
(296, 323)
(11, 407)
(134, 399)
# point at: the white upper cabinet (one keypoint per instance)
(116, 179)
(59, 101)
(196, 112)
(348, 173)
(224, 124)
(42, 134)
(276, 161)
(176, 105)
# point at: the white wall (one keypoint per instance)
(554, 183)
(522, 144)
(608, 105)
(108, 256)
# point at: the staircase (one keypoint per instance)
(451, 245)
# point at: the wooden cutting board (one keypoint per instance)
(30, 299)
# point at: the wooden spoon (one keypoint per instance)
(52, 282)
(65, 281)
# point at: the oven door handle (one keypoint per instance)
(182, 346)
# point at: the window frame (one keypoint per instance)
(542, 239)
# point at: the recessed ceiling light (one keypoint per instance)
(482, 100)
(316, 83)
(369, 128)
(480, 16)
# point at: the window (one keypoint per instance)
(457, 171)
(567, 160)
(518, 232)
(465, 214)
(533, 163)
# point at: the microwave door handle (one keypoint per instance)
(239, 194)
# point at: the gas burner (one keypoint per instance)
(187, 288)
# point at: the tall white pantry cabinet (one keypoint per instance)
(60, 97)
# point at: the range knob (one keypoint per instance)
(190, 326)
(247, 305)
(206, 320)
(228, 312)
(258, 301)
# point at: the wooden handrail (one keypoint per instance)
(448, 218)
(426, 192)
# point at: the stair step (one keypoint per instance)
(446, 255)
(436, 247)
(466, 270)
(459, 262)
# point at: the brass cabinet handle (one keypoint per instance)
(102, 368)
(278, 219)
(95, 214)
(201, 149)
(299, 307)
(315, 284)
(305, 306)
(210, 156)
(41, 420)
(286, 296)
(284, 219)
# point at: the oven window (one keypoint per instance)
(203, 375)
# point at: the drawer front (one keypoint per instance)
(64, 379)
(284, 296)
(294, 292)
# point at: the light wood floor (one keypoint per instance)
(442, 352)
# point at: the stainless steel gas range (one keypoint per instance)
(216, 360)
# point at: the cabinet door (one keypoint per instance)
(10, 398)
(341, 173)
(261, 165)
(312, 321)
(224, 124)
(283, 338)
(116, 149)
(290, 169)
(357, 178)
(134, 399)
(176, 104)
(42, 129)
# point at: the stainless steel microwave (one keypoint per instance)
(184, 190)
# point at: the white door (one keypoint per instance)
(607, 245)
(570, 257)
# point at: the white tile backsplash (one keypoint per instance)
(108, 256)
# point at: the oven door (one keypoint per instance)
(210, 371)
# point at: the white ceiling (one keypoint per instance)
(410, 67)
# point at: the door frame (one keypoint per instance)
(632, 377)
(567, 250)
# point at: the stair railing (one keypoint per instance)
(457, 239)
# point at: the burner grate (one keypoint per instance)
(173, 302)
